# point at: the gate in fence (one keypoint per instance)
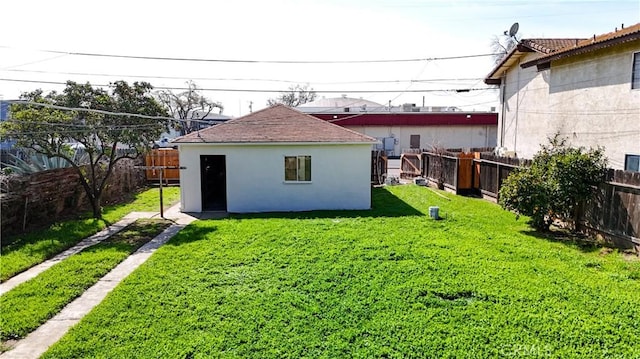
(410, 165)
(378, 167)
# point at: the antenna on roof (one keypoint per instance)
(514, 29)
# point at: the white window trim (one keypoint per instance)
(297, 181)
(626, 161)
(633, 58)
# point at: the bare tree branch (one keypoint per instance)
(296, 96)
(186, 106)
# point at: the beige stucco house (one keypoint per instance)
(275, 159)
(587, 90)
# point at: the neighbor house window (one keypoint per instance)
(632, 163)
(635, 77)
(297, 168)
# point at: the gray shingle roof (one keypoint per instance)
(275, 124)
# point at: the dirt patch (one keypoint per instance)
(139, 232)
(631, 255)
(7, 345)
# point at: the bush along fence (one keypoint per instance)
(613, 213)
(42, 198)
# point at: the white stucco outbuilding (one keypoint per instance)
(276, 159)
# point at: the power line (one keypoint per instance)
(104, 112)
(161, 58)
(268, 90)
(32, 62)
(239, 79)
(89, 110)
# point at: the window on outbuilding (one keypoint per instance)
(632, 163)
(297, 168)
(635, 77)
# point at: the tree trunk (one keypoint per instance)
(96, 208)
(576, 216)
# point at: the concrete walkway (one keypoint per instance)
(87, 242)
(36, 343)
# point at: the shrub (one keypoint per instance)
(558, 181)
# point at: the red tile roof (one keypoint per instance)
(631, 33)
(276, 124)
(548, 46)
(542, 46)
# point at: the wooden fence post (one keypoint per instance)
(455, 174)
(497, 181)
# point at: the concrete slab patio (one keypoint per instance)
(36, 343)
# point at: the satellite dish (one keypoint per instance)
(514, 29)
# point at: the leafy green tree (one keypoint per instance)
(109, 125)
(558, 181)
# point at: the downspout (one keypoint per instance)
(515, 135)
(503, 90)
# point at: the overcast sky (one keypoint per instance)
(303, 30)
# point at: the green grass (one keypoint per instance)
(32, 248)
(32, 303)
(386, 283)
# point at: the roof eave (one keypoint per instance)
(582, 50)
(495, 76)
(239, 143)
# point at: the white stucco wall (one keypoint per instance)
(587, 99)
(340, 177)
(430, 136)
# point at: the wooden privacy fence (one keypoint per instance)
(492, 171)
(449, 170)
(614, 211)
(472, 172)
(163, 158)
(410, 165)
(378, 167)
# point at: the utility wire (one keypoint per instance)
(238, 79)
(103, 112)
(82, 109)
(160, 58)
(269, 90)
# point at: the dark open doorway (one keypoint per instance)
(213, 179)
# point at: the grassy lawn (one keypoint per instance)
(386, 283)
(35, 247)
(32, 303)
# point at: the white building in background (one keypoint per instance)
(203, 119)
(400, 128)
(587, 90)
